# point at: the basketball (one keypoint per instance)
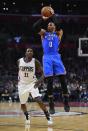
(47, 11)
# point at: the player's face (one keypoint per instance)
(29, 53)
(51, 27)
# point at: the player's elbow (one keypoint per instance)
(61, 32)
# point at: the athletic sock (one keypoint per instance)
(47, 115)
(26, 114)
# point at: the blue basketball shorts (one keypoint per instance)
(53, 65)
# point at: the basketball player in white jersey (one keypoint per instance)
(28, 83)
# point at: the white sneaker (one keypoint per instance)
(50, 122)
(50, 129)
(27, 125)
(27, 122)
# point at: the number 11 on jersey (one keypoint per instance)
(25, 74)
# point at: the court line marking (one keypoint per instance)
(37, 126)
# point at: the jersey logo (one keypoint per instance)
(25, 68)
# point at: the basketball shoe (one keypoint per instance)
(66, 103)
(52, 111)
(27, 122)
(66, 107)
(50, 121)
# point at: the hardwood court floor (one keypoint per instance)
(12, 119)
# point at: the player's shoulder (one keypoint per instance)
(37, 61)
(19, 60)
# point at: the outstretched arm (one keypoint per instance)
(38, 25)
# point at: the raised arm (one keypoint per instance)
(43, 22)
(38, 25)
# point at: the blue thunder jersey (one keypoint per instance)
(50, 43)
(52, 63)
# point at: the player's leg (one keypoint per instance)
(37, 97)
(23, 99)
(50, 94)
(65, 94)
(43, 107)
(48, 73)
(24, 109)
(60, 71)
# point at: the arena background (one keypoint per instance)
(16, 34)
(16, 20)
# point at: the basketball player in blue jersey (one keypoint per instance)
(52, 63)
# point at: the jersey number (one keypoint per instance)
(25, 74)
(50, 44)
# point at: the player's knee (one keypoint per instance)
(50, 92)
(49, 81)
(64, 88)
(23, 105)
(61, 78)
(63, 84)
(38, 99)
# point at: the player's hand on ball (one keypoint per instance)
(47, 12)
(44, 17)
(51, 10)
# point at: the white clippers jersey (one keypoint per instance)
(26, 73)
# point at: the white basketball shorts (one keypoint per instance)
(26, 89)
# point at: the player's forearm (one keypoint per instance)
(55, 20)
(38, 25)
(43, 23)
